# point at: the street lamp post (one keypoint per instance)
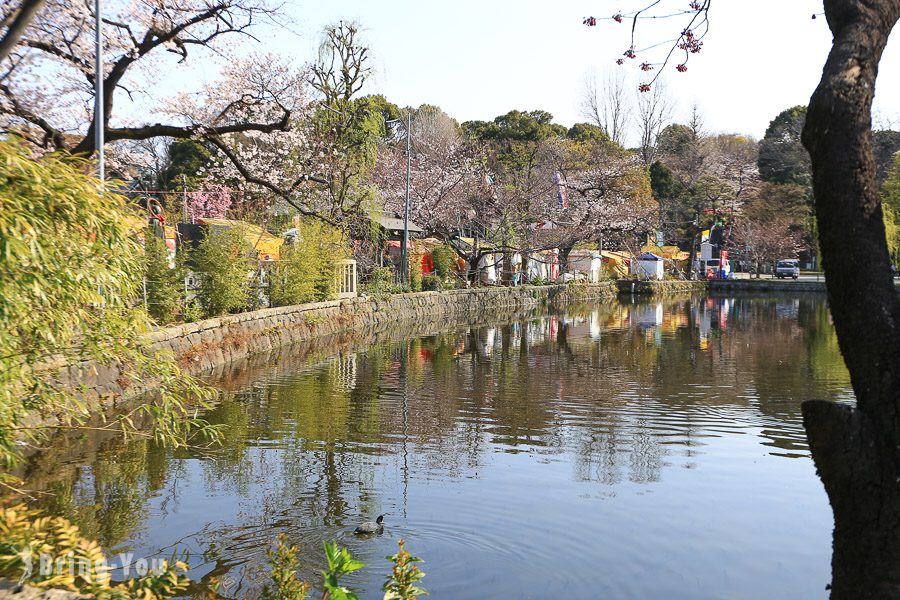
(404, 249)
(98, 91)
(404, 245)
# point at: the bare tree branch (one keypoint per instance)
(23, 17)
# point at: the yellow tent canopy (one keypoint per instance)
(265, 244)
(667, 252)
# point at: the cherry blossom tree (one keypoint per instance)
(211, 201)
(317, 162)
(766, 240)
(14, 19)
(607, 192)
(47, 87)
(441, 172)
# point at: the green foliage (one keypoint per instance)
(432, 283)
(164, 283)
(892, 233)
(513, 137)
(890, 205)
(222, 266)
(387, 109)
(340, 563)
(283, 563)
(782, 157)
(401, 584)
(444, 259)
(382, 276)
(306, 271)
(663, 182)
(675, 140)
(415, 274)
(78, 563)
(587, 133)
(381, 282)
(69, 279)
(517, 125)
(187, 158)
(890, 189)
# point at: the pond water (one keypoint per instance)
(646, 450)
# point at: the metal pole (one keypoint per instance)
(184, 202)
(404, 251)
(98, 92)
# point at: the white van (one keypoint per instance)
(787, 268)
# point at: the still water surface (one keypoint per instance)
(649, 450)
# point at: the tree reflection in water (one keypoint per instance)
(621, 393)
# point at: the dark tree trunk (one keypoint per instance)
(857, 449)
(564, 252)
(26, 13)
(692, 256)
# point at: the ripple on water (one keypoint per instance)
(664, 459)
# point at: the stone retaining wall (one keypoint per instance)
(767, 285)
(201, 346)
(661, 289)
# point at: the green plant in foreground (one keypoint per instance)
(75, 563)
(340, 563)
(401, 584)
(284, 563)
(70, 278)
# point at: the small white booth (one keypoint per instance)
(648, 266)
(586, 264)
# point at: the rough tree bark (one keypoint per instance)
(19, 20)
(857, 449)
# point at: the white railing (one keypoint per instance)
(345, 280)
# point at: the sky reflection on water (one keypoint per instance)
(648, 450)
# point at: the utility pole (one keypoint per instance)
(404, 249)
(184, 206)
(98, 91)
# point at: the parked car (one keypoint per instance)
(787, 268)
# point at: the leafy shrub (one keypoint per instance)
(25, 535)
(444, 259)
(283, 565)
(70, 278)
(401, 584)
(432, 283)
(415, 275)
(399, 288)
(307, 269)
(222, 266)
(381, 277)
(164, 284)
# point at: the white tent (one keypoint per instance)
(586, 263)
(647, 266)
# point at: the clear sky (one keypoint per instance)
(477, 59)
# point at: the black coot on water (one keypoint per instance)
(370, 527)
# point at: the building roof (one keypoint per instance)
(392, 222)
